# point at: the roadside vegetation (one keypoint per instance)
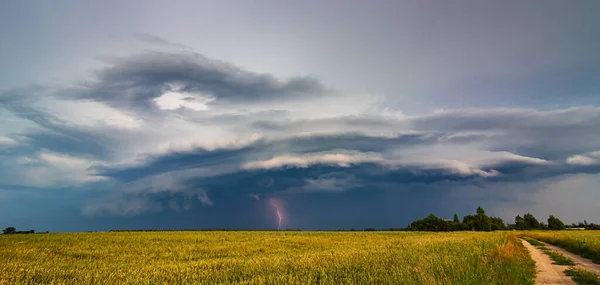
(583, 243)
(582, 276)
(265, 257)
(556, 257)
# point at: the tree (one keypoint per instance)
(429, 223)
(456, 225)
(555, 224)
(520, 223)
(531, 222)
(478, 222)
(497, 224)
(482, 221)
(468, 223)
(9, 230)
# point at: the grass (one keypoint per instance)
(556, 257)
(582, 276)
(265, 257)
(535, 243)
(583, 243)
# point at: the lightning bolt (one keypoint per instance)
(275, 203)
(278, 217)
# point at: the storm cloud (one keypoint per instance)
(363, 116)
(135, 82)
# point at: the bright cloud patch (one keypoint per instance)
(581, 160)
(63, 169)
(6, 141)
(173, 100)
(341, 158)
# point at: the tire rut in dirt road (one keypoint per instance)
(547, 273)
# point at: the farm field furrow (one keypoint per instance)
(265, 257)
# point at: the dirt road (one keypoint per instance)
(581, 262)
(547, 273)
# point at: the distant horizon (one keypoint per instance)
(402, 228)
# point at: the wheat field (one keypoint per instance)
(257, 257)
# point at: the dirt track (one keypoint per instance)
(547, 273)
(581, 262)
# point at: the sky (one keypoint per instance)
(296, 114)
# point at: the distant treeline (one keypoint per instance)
(13, 230)
(478, 222)
(584, 225)
(481, 222)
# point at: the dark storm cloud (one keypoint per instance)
(283, 182)
(133, 82)
(369, 156)
(175, 172)
(359, 141)
(198, 158)
(355, 154)
(262, 149)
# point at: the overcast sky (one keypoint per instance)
(305, 114)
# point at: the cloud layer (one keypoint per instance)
(177, 131)
(135, 82)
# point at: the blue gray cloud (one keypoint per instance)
(350, 114)
(134, 82)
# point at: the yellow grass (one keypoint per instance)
(264, 257)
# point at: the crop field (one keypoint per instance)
(583, 243)
(264, 257)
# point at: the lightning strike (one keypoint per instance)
(278, 218)
(276, 204)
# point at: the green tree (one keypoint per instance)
(456, 225)
(456, 220)
(482, 221)
(468, 223)
(531, 222)
(555, 224)
(430, 223)
(497, 224)
(520, 223)
(9, 230)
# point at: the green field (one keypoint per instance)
(264, 257)
(584, 243)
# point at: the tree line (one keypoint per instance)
(529, 222)
(478, 222)
(482, 222)
(13, 230)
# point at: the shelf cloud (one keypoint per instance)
(376, 113)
